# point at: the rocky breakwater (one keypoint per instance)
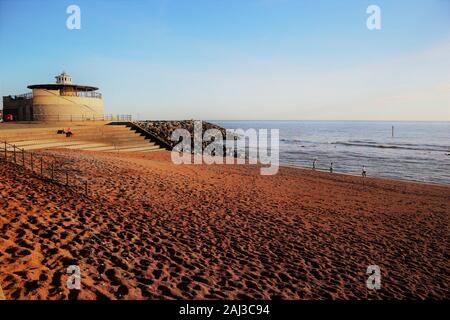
(164, 129)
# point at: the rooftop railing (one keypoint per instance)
(28, 95)
(82, 117)
(87, 94)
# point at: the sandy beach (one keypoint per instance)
(153, 230)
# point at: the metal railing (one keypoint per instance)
(45, 167)
(82, 117)
(28, 95)
(159, 139)
(87, 94)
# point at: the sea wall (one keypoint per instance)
(164, 129)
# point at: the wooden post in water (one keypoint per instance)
(392, 131)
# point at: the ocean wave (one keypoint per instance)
(297, 141)
(402, 144)
(423, 147)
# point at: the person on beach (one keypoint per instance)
(364, 173)
(331, 168)
(69, 133)
(314, 164)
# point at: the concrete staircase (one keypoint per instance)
(105, 138)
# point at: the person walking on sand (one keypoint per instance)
(314, 164)
(364, 173)
(331, 168)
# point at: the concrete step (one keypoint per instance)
(105, 148)
(96, 138)
(138, 148)
(120, 138)
(152, 150)
(68, 142)
(31, 142)
(136, 145)
(54, 129)
(132, 142)
(6, 134)
(76, 141)
(121, 141)
(87, 146)
(51, 134)
(32, 145)
(108, 136)
(47, 146)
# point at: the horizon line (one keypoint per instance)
(342, 120)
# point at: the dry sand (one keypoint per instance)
(152, 230)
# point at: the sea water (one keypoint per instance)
(418, 151)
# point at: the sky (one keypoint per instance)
(238, 59)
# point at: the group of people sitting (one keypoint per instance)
(363, 171)
(68, 132)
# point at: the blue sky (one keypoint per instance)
(242, 59)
